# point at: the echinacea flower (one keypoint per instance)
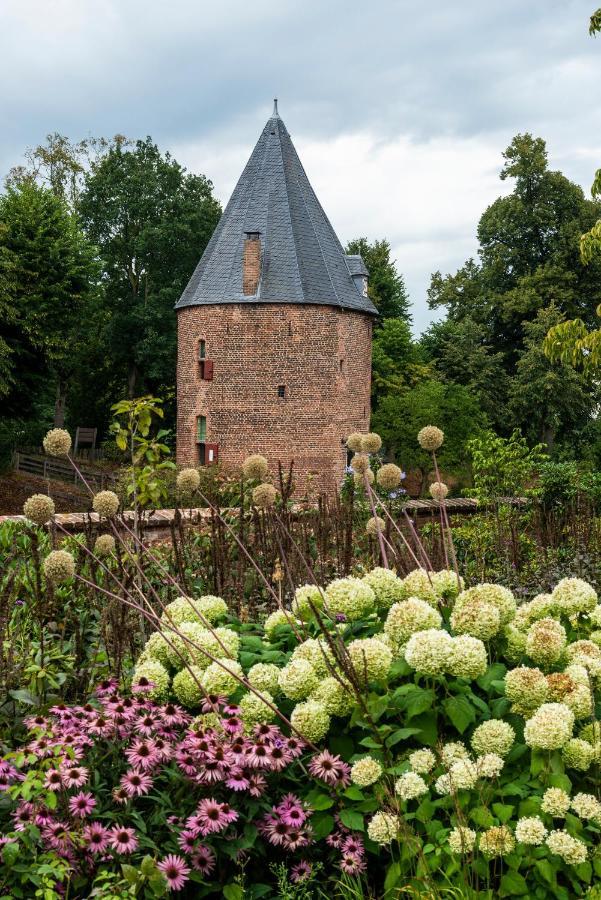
(351, 864)
(123, 839)
(203, 859)
(301, 871)
(135, 783)
(330, 769)
(82, 804)
(74, 776)
(96, 836)
(175, 870)
(213, 816)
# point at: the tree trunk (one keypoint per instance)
(132, 380)
(549, 437)
(60, 403)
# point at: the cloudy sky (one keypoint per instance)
(399, 109)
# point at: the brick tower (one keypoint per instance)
(274, 329)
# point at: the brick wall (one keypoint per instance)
(320, 355)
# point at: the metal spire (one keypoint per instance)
(275, 114)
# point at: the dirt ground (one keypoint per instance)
(16, 487)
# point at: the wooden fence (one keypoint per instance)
(59, 470)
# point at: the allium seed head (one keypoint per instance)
(255, 467)
(439, 490)
(104, 545)
(354, 442)
(375, 526)
(59, 566)
(264, 496)
(360, 463)
(389, 477)
(430, 438)
(57, 442)
(39, 508)
(187, 481)
(106, 503)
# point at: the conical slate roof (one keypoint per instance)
(302, 259)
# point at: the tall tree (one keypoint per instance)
(386, 287)
(151, 221)
(53, 271)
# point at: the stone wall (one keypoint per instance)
(319, 355)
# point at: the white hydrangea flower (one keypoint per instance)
(463, 774)
(461, 839)
(493, 736)
(370, 658)
(468, 657)
(570, 849)
(490, 765)
(476, 617)
(408, 617)
(587, 807)
(555, 802)
(384, 828)
(428, 651)
(530, 830)
(497, 841)
(350, 597)
(546, 641)
(550, 727)
(422, 761)
(494, 594)
(453, 751)
(298, 679)
(307, 599)
(366, 771)
(573, 595)
(386, 585)
(419, 584)
(410, 786)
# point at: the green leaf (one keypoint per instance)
(496, 672)
(352, 819)
(482, 817)
(10, 854)
(502, 811)
(418, 701)
(353, 793)
(318, 801)
(130, 873)
(400, 735)
(546, 870)
(342, 745)
(460, 711)
(425, 811)
(148, 867)
(393, 876)
(428, 729)
(512, 883)
(233, 892)
(321, 825)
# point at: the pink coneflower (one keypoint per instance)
(279, 758)
(23, 815)
(142, 754)
(330, 769)
(96, 837)
(335, 839)
(258, 755)
(301, 871)
(123, 839)
(231, 709)
(57, 836)
(233, 725)
(294, 839)
(135, 783)
(175, 870)
(274, 829)
(352, 865)
(74, 776)
(267, 732)
(53, 780)
(32, 722)
(107, 688)
(353, 845)
(173, 714)
(101, 727)
(257, 785)
(43, 817)
(187, 840)
(203, 859)
(82, 804)
(237, 780)
(295, 746)
(143, 685)
(212, 701)
(42, 747)
(186, 762)
(146, 724)
(213, 816)
(291, 811)
(120, 795)
(163, 749)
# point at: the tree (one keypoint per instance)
(547, 398)
(461, 354)
(151, 222)
(53, 271)
(449, 406)
(395, 359)
(386, 288)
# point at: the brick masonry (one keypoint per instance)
(321, 355)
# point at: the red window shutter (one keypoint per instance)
(211, 454)
(207, 369)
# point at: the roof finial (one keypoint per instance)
(275, 114)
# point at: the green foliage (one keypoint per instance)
(503, 467)
(145, 485)
(451, 406)
(150, 221)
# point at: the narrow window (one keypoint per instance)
(342, 365)
(281, 390)
(201, 429)
(202, 350)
